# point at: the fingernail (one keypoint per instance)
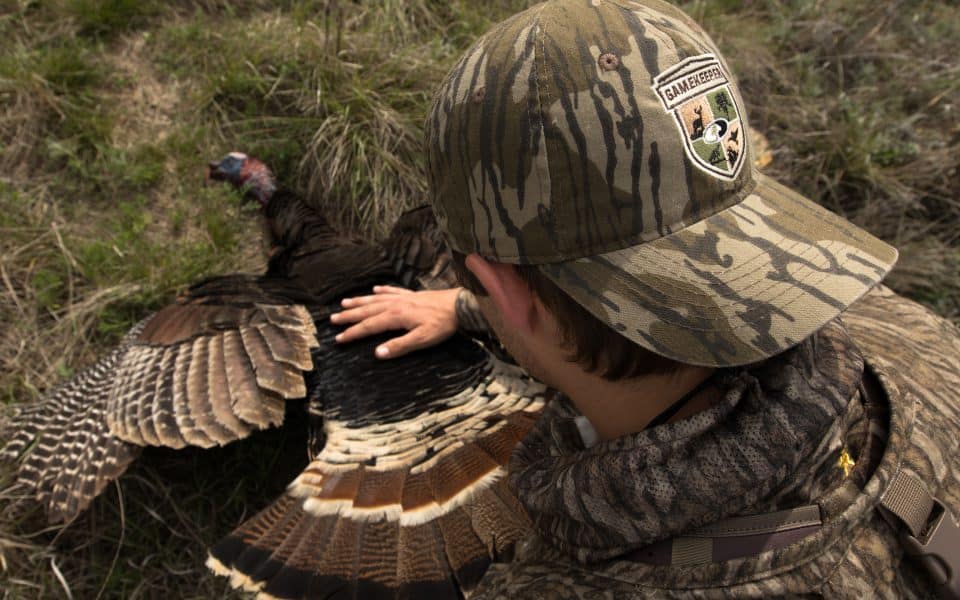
(346, 302)
(335, 317)
(377, 288)
(383, 352)
(338, 337)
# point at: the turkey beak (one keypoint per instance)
(213, 172)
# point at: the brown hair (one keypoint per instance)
(595, 345)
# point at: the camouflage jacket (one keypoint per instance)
(779, 437)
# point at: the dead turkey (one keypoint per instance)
(404, 494)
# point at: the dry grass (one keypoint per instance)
(110, 108)
(860, 103)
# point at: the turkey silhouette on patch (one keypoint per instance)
(404, 494)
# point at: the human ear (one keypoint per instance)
(509, 293)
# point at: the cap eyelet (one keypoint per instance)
(478, 94)
(608, 61)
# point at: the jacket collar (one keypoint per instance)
(620, 495)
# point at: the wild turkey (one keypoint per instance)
(404, 494)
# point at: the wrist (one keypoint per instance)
(467, 311)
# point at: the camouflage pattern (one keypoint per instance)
(913, 426)
(710, 466)
(560, 139)
(539, 151)
(735, 288)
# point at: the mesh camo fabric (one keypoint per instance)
(606, 141)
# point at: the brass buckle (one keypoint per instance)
(938, 550)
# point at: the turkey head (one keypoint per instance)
(245, 173)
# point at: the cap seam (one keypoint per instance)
(544, 123)
(727, 305)
(800, 292)
(736, 268)
(733, 302)
(731, 281)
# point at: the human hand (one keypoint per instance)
(428, 316)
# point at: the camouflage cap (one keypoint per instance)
(606, 142)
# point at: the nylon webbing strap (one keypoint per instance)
(691, 551)
(909, 500)
(733, 538)
(782, 520)
(934, 538)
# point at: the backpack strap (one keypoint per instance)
(733, 538)
(927, 529)
(934, 535)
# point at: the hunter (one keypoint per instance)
(744, 411)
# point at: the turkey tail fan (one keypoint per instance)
(65, 452)
(407, 499)
(287, 552)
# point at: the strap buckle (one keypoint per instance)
(938, 550)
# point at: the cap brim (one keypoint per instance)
(737, 287)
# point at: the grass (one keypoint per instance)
(860, 104)
(110, 108)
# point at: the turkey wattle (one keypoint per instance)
(404, 494)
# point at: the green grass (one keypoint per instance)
(109, 110)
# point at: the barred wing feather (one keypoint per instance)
(63, 445)
(204, 371)
(209, 374)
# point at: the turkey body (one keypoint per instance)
(404, 494)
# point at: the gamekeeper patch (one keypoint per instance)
(697, 91)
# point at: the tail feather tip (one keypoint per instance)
(237, 579)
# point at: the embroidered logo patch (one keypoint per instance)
(697, 91)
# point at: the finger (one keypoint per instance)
(376, 324)
(357, 301)
(390, 289)
(361, 300)
(415, 339)
(359, 313)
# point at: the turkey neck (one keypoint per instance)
(291, 225)
(307, 252)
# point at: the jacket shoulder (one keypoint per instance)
(895, 330)
(915, 355)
